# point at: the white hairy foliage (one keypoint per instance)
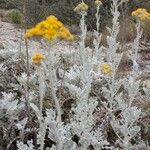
(28, 146)
(119, 94)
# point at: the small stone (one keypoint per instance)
(2, 46)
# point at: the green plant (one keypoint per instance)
(14, 16)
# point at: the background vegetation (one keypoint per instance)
(62, 9)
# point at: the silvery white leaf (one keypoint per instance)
(12, 106)
(36, 109)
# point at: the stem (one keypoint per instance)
(82, 48)
(58, 109)
(97, 18)
(83, 36)
(41, 88)
(52, 77)
(98, 37)
(27, 62)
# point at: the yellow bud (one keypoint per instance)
(37, 58)
(98, 3)
(141, 14)
(77, 9)
(82, 7)
(106, 69)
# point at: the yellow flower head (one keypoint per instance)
(51, 28)
(141, 14)
(80, 8)
(37, 58)
(98, 3)
(106, 69)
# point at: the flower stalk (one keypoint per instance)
(97, 41)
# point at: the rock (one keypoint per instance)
(1, 46)
(146, 83)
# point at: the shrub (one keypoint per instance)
(11, 4)
(14, 16)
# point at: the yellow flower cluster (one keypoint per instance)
(82, 7)
(98, 3)
(106, 69)
(51, 28)
(141, 14)
(37, 58)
